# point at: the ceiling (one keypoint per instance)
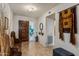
(19, 9)
(52, 16)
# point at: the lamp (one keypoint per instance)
(31, 8)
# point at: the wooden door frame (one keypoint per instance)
(20, 30)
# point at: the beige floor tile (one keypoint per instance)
(35, 49)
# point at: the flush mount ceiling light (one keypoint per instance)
(31, 8)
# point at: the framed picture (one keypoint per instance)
(6, 23)
(41, 29)
(41, 26)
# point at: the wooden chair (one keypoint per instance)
(14, 48)
(7, 45)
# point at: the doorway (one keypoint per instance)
(24, 30)
(50, 29)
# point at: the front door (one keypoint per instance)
(24, 30)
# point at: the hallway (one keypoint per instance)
(21, 22)
(36, 29)
(35, 49)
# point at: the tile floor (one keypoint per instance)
(35, 49)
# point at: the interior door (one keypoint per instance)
(24, 30)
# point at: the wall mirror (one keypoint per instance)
(41, 29)
(41, 26)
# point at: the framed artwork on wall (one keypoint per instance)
(68, 23)
(41, 29)
(6, 23)
(41, 26)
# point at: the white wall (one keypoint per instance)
(58, 42)
(16, 19)
(9, 14)
(42, 39)
(66, 44)
(32, 38)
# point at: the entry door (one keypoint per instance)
(24, 30)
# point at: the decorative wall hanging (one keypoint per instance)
(6, 23)
(67, 23)
(31, 30)
(41, 26)
(41, 29)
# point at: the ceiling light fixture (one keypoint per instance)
(31, 8)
